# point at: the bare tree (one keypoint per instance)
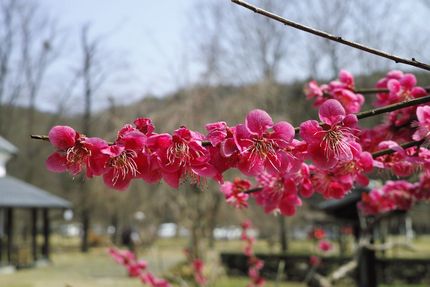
(207, 30)
(38, 37)
(93, 74)
(332, 16)
(256, 45)
(7, 11)
(369, 29)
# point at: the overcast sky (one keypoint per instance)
(147, 39)
(145, 34)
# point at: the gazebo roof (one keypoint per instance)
(16, 193)
(345, 208)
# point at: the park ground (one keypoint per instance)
(70, 268)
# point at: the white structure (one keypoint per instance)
(7, 150)
(19, 195)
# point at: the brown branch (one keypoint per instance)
(46, 138)
(252, 190)
(377, 90)
(380, 53)
(404, 145)
(387, 109)
(393, 107)
(40, 137)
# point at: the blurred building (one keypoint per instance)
(25, 221)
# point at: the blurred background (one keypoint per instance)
(96, 65)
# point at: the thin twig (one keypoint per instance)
(380, 53)
(377, 90)
(252, 190)
(40, 137)
(387, 109)
(404, 145)
(393, 107)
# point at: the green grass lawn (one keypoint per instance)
(73, 269)
(93, 270)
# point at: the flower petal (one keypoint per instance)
(408, 81)
(284, 131)
(172, 179)
(331, 112)
(258, 121)
(62, 137)
(56, 163)
(120, 183)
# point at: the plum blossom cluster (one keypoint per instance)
(396, 87)
(318, 234)
(341, 89)
(137, 268)
(395, 195)
(329, 156)
(199, 277)
(255, 264)
(325, 245)
(198, 266)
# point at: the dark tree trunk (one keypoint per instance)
(283, 233)
(213, 221)
(85, 219)
(34, 233)
(367, 268)
(9, 233)
(46, 233)
(115, 225)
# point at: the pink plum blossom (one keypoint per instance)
(314, 261)
(394, 195)
(330, 142)
(199, 277)
(126, 159)
(398, 162)
(149, 279)
(145, 126)
(423, 124)
(278, 193)
(234, 192)
(400, 87)
(181, 155)
(325, 245)
(341, 90)
(75, 151)
(134, 269)
(259, 148)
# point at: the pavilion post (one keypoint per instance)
(2, 231)
(283, 234)
(34, 233)
(46, 233)
(9, 233)
(367, 268)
